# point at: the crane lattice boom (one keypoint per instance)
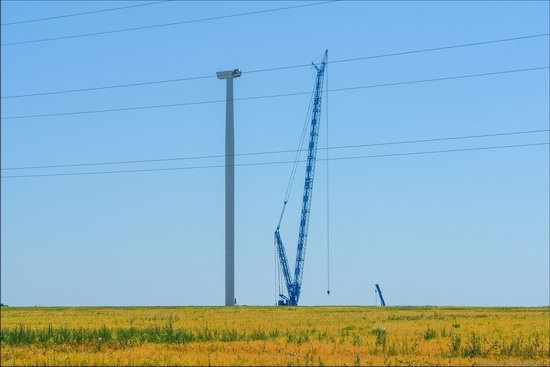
(294, 284)
(377, 290)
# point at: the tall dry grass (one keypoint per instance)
(305, 336)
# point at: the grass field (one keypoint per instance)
(304, 336)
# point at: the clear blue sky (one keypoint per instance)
(469, 228)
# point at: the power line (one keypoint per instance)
(165, 24)
(84, 13)
(111, 86)
(447, 138)
(174, 80)
(272, 95)
(408, 52)
(277, 162)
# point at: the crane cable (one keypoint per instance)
(299, 151)
(275, 270)
(328, 196)
(278, 272)
(296, 160)
(278, 275)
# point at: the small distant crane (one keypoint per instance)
(379, 292)
(294, 284)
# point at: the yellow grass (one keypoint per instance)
(279, 336)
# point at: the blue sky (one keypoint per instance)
(468, 228)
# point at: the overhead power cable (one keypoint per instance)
(110, 87)
(166, 24)
(175, 80)
(277, 162)
(432, 49)
(84, 13)
(399, 142)
(134, 108)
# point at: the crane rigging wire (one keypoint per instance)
(298, 151)
(328, 179)
(293, 282)
(277, 274)
(289, 190)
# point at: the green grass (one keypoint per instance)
(22, 335)
(429, 334)
(380, 334)
(473, 348)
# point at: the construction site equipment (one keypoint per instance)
(294, 283)
(379, 292)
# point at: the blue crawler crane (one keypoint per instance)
(377, 290)
(294, 284)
